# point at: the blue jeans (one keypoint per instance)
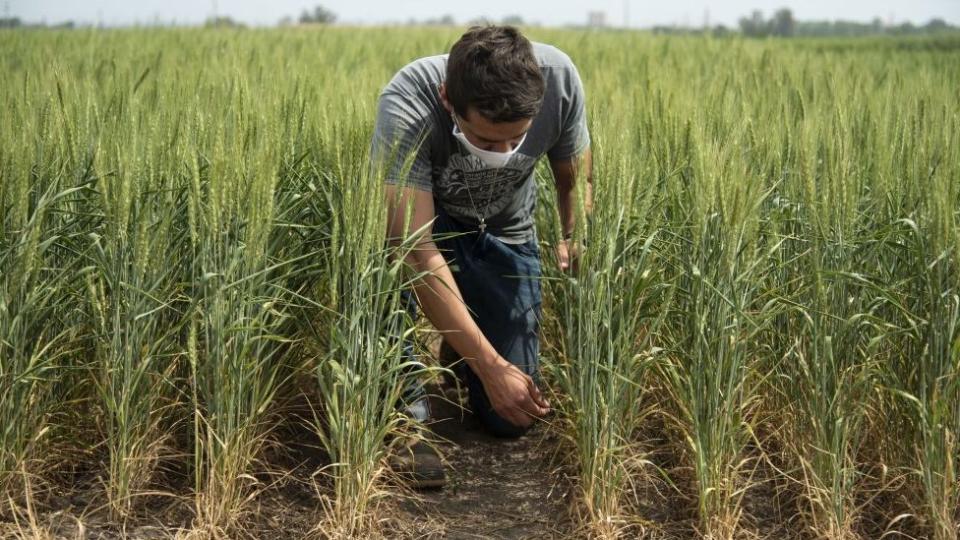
(500, 284)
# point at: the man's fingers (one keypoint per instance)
(521, 403)
(533, 408)
(538, 397)
(563, 256)
(542, 401)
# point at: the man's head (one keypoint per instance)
(493, 85)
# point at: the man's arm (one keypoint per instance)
(566, 173)
(512, 393)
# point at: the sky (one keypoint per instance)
(635, 13)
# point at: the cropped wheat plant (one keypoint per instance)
(41, 334)
(604, 316)
(603, 319)
(34, 341)
(133, 286)
(827, 377)
(829, 337)
(239, 317)
(927, 389)
(720, 309)
(925, 373)
(360, 322)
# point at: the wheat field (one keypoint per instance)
(768, 306)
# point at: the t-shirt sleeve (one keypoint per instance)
(399, 151)
(574, 136)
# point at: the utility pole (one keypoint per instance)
(626, 13)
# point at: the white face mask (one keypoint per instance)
(493, 160)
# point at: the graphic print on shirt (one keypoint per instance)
(465, 176)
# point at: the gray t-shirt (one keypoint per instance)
(412, 123)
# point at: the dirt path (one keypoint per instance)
(497, 488)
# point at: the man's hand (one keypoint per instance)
(566, 173)
(568, 255)
(513, 394)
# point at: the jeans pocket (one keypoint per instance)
(530, 248)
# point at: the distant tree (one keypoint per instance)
(513, 20)
(755, 26)
(10, 22)
(320, 15)
(681, 30)
(905, 28)
(783, 24)
(222, 21)
(720, 31)
(936, 25)
(445, 20)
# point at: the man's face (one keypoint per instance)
(487, 135)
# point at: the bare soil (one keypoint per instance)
(497, 488)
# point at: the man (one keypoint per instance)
(458, 137)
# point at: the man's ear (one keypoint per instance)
(443, 98)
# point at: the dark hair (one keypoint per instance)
(493, 69)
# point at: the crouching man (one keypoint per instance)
(458, 137)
